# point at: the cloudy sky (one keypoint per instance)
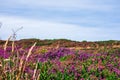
(79, 20)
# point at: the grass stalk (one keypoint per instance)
(6, 43)
(22, 66)
(35, 70)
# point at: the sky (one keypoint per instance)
(91, 20)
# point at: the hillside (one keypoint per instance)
(66, 43)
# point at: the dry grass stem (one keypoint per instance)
(5, 46)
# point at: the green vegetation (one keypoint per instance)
(59, 63)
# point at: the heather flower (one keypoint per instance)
(9, 49)
(93, 59)
(4, 54)
(29, 71)
(91, 67)
(101, 67)
(42, 59)
(84, 56)
(58, 63)
(110, 65)
(117, 71)
(82, 79)
(77, 75)
(54, 70)
(73, 67)
(98, 54)
(61, 70)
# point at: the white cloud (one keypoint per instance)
(44, 29)
(48, 30)
(58, 4)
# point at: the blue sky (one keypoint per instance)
(79, 20)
